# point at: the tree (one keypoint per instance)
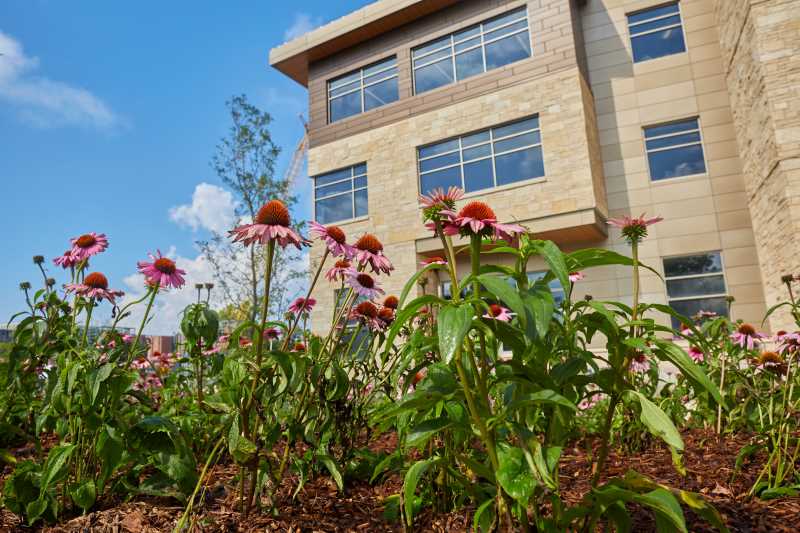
(245, 163)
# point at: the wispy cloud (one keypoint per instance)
(212, 208)
(303, 23)
(41, 101)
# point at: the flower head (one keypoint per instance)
(433, 261)
(162, 272)
(367, 313)
(498, 312)
(299, 347)
(271, 333)
(334, 238)
(386, 315)
(338, 271)
(67, 260)
(272, 222)
(419, 376)
(634, 229)
(640, 363)
(369, 251)
(771, 362)
(391, 302)
(696, 354)
(787, 342)
(95, 285)
(302, 305)
(702, 316)
(576, 276)
(441, 199)
(746, 336)
(477, 218)
(364, 285)
(88, 244)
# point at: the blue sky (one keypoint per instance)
(109, 115)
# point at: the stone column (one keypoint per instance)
(760, 40)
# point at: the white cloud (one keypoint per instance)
(303, 23)
(166, 312)
(44, 102)
(212, 208)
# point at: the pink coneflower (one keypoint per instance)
(386, 315)
(746, 336)
(477, 218)
(367, 313)
(634, 229)
(590, 401)
(433, 261)
(369, 251)
(244, 342)
(302, 305)
(702, 316)
(272, 333)
(127, 338)
(88, 244)
(334, 238)
(440, 199)
(364, 285)
(576, 276)
(338, 271)
(391, 302)
(696, 354)
(67, 260)
(419, 376)
(299, 347)
(95, 285)
(272, 222)
(771, 362)
(640, 363)
(498, 312)
(162, 272)
(787, 342)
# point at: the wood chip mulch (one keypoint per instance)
(320, 508)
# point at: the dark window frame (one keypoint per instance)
(392, 74)
(354, 175)
(632, 33)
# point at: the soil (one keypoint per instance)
(319, 507)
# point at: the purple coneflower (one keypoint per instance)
(302, 305)
(634, 229)
(771, 362)
(334, 238)
(338, 271)
(433, 261)
(369, 250)
(67, 260)
(498, 312)
(162, 272)
(364, 285)
(272, 333)
(440, 199)
(272, 222)
(88, 244)
(391, 302)
(477, 218)
(696, 354)
(386, 315)
(640, 363)
(95, 285)
(746, 336)
(367, 313)
(576, 276)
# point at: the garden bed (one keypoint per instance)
(709, 464)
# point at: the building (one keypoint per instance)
(561, 114)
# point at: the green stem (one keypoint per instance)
(132, 351)
(308, 295)
(88, 322)
(182, 522)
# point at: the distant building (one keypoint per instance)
(161, 344)
(6, 334)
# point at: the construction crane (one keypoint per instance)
(299, 155)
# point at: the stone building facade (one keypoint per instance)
(613, 93)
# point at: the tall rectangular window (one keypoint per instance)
(341, 195)
(474, 50)
(482, 160)
(696, 283)
(674, 149)
(656, 32)
(362, 90)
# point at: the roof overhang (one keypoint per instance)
(294, 57)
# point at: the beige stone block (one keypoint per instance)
(713, 100)
(673, 110)
(662, 78)
(736, 238)
(689, 244)
(744, 256)
(631, 199)
(687, 225)
(727, 184)
(734, 219)
(714, 134)
(709, 67)
(734, 201)
(704, 52)
(751, 313)
(721, 150)
(724, 167)
(667, 93)
(751, 293)
(742, 275)
(679, 189)
(703, 205)
(710, 84)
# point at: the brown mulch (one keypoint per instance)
(320, 508)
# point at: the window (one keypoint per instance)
(656, 32)
(489, 158)
(446, 290)
(362, 90)
(474, 50)
(555, 285)
(341, 195)
(696, 283)
(674, 149)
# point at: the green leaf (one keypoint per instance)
(109, 449)
(330, 464)
(410, 482)
(666, 507)
(36, 509)
(55, 467)
(505, 292)
(540, 303)
(514, 474)
(555, 260)
(699, 505)
(656, 421)
(425, 430)
(98, 377)
(240, 448)
(84, 495)
(453, 324)
(669, 351)
(482, 522)
(542, 396)
(412, 282)
(593, 257)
